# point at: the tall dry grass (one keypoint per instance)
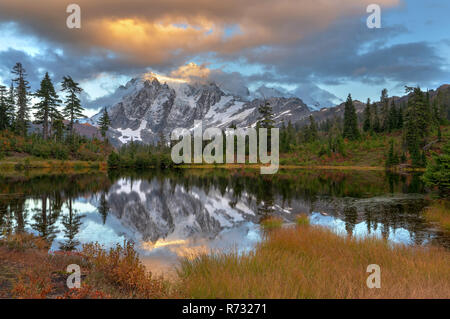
(313, 262)
(439, 213)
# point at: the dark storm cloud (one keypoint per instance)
(350, 51)
(60, 63)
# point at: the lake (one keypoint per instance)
(169, 214)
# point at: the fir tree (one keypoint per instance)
(392, 158)
(313, 135)
(103, 209)
(384, 100)
(266, 119)
(367, 124)
(437, 173)
(392, 119)
(21, 91)
(45, 219)
(351, 130)
(376, 119)
(73, 109)
(11, 107)
(71, 223)
(420, 102)
(104, 122)
(46, 108)
(4, 120)
(399, 117)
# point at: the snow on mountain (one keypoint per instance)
(151, 105)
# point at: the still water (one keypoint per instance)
(184, 212)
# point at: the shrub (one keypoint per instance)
(113, 160)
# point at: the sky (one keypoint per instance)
(317, 50)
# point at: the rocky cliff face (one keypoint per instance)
(146, 108)
(149, 108)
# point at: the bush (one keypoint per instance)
(437, 173)
(113, 160)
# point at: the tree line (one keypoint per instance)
(416, 119)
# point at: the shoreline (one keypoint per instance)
(71, 165)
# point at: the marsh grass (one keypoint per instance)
(439, 213)
(313, 262)
(271, 222)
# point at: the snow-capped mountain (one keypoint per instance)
(151, 105)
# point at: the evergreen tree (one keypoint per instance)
(103, 209)
(58, 128)
(392, 119)
(71, 223)
(392, 158)
(367, 124)
(266, 119)
(399, 117)
(437, 173)
(313, 135)
(45, 219)
(420, 102)
(384, 100)
(46, 108)
(73, 109)
(411, 135)
(4, 120)
(351, 130)
(376, 126)
(11, 107)
(21, 91)
(104, 122)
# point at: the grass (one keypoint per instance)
(18, 164)
(439, 213)
(28, 270)
(301, 261)
(312, 262)
(271, 222)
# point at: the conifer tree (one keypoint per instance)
(313, 135)
(4, 120)
(103, 209)
(71, 223)
(376, 126)
(351, 130)
(22, 99)
(367, 124)
(266, 119)
(46, 108)
(104, 122)
(392, 119)
(73, 109)
(399, 117)
(437, 173)
(384, 100)
(11, 107)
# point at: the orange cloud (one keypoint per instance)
(158, 31)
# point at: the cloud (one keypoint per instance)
(348, 51)
(158, 32)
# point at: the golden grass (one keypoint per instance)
(28, 270)
(312, 262)
(439, 213)
(292, 262)
(271, 222)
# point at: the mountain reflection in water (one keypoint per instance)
(183, 213)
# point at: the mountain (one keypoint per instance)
(148, 107)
